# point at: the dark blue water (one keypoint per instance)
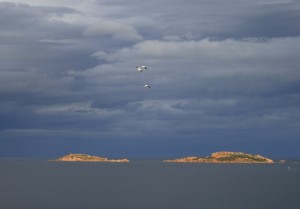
(39, 184)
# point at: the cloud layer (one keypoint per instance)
(222, 76)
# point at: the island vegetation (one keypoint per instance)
(88, 158)
(225, 157)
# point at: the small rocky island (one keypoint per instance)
(224, 157)
(89, 158)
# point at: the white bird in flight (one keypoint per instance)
(147, 86)
(141, 68)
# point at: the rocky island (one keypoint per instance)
(89, 158)
(224, 157)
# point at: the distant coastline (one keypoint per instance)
(216, 157)
(89, 158)
(224, 157)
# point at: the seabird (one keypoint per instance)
(141, 68)
(147, 86)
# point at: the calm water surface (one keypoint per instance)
(40, 184)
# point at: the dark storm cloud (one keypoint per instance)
(23, 24)
(219, 71)
(270, 21)
(194, 20)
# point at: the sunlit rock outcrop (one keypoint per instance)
(89, 158)
(225, 157)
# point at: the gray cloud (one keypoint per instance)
(270, 21)
(220, 74)
(115, 29)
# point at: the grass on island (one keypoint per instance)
(238, 156)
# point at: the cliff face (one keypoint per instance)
(225, 157)
(88, 158)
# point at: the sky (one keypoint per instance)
(224, 75)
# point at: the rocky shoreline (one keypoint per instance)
(89, 158)
(224, 157)
(216, 157)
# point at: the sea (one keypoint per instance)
(147, 184)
